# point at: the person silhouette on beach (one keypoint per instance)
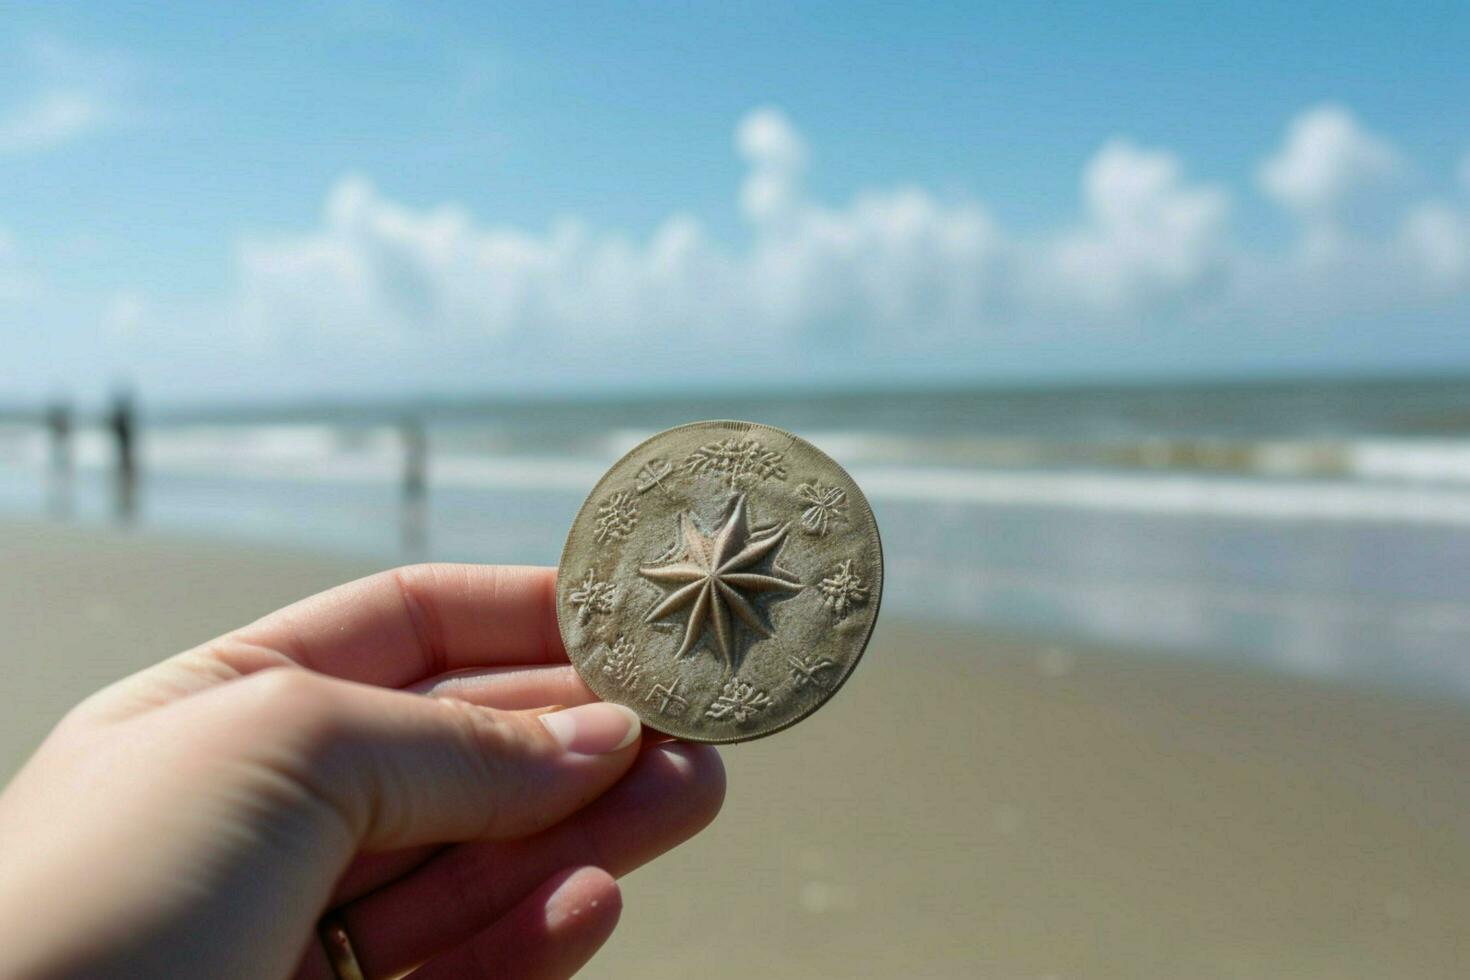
(415, 485)
(121, 423)
(59, 429)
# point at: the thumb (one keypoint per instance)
(403, 769)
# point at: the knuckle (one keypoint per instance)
(295, 701)
(80, 715)
(415, 587)
(299, 733)
(281, 687)
(495, 744)
(488, 735)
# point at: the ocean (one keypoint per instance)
(1315, 527)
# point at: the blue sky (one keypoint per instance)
(274, 200)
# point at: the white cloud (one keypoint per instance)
(777, 156)
(377, 265)
(124, 316)
(1150, 240)
(1327, 156)
(891, 272)
(49, 119)
(14, 283)
(1355, 253)
(889, 265)
(1436, 238)
(75, 93)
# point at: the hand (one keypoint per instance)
(198, 818)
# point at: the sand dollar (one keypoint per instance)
(722, 580)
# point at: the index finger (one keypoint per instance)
(403, 625)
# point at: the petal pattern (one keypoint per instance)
(683, 571)
(677, 599)
(755, 582)
(753, 551)
(696, 621)
(716, 578)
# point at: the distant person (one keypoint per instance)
(415, 485)
(59, 431)
(122, 423)
(348, 788)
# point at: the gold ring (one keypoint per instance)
(338, 947)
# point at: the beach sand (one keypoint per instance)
(968, 806)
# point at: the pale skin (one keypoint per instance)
(378, 750)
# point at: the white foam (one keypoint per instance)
(1335, 500)
(1402, 481)
(1419, 460)
(516, 472)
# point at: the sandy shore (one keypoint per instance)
(967, 807)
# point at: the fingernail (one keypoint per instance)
(593, 729)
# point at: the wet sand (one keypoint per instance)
(968, 806)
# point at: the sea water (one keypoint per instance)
(1319, 528)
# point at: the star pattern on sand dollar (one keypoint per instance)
(715, 575)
